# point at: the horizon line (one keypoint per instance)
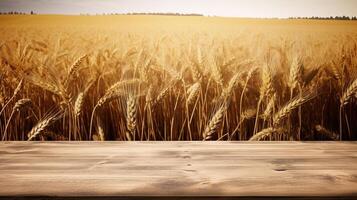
(178, 14)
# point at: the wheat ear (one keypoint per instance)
(42, 125)
(293, 104)
(101, 133)
(296, 72)
(344, 100)
(100, 136)
(193, 92)
(264, 133)
(227, 92)
(75, 66)
(266, 89)
(349, 93)
(18, 105)
(162, 95)
(78, 105)
(323, 131)
(111, 94)
(149, 97)
(131, 116)
(214, 124)
(269, 108)
(16, 92)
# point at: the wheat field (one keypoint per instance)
(176, 78)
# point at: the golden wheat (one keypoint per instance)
(167, 83)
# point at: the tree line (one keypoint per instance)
(154, 13)
(170, 14)
(327, 18)
(133, 13)
(17, 13)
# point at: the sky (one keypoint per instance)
(227, 8)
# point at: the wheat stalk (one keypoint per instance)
(112, 93)
(266, 89)
(344, 100)
(249, 76)
(108, 96)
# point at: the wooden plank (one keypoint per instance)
(201, 169)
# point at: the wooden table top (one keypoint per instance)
(235, 169)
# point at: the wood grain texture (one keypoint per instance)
(178, 169)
